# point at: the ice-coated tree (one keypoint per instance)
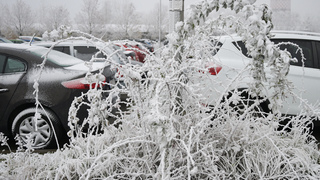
(165, 132)
(107, 11)
(153, 21)
(19, 18)
(55, 17)
(89, 19)
(125, 17)
(1, 21)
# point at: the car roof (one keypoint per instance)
(296, 35)
(276, 35)
(23, 46)
(65, 43)
(14, 46)
(55, 57)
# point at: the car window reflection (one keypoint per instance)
(14, 65)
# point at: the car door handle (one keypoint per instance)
(4, 90)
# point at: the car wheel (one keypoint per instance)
(247, 101)
(41, 132)
(257, 111)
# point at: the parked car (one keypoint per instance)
(140, 52)
(30, 38)
(128, 53)
(17, 41)
(232, 57)
(61, 81)
(85, 51)
(4, 40)
(147, 44)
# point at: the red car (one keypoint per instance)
(139, 51)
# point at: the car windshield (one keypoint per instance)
(56, 57)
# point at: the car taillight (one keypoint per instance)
(81, 83)
(214, 69)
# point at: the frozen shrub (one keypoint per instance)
(166, 133)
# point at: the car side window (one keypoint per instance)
(14, 65)
(318, 51)
(64, 49)
(85, 53)
(241, 46)
(2, 63)
(306, 47)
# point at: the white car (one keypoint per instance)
(232, 59)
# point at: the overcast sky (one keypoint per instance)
(305, 7)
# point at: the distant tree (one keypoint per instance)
(295, 22)
(19, 18)
(89, 19)
(129, 23)
(126, 17)
(1, 21)
(151, 20)
(55, 17)
(310, 23)
(106, 12)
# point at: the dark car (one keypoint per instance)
(85, 51)
(59, 83)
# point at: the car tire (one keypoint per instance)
(43, 136)
(246, 101)
(257, 111)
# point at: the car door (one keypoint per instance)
(11, 72)
(304, 75)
